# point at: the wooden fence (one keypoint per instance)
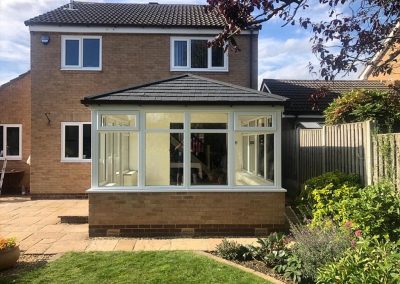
(349, 148)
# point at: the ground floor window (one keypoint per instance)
(76, 141)
(183, 149)
(10, 141)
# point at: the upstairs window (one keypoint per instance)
(76, 142)
(194, 55)
(10, 141)
(81, 52)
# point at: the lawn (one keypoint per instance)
(136, 267)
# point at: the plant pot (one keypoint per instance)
(9, 257)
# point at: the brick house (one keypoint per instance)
(115, 115)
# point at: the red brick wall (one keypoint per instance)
(199, 213)
(128, 59)
(15, 108)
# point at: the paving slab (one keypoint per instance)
(125, 245)
(102, 245)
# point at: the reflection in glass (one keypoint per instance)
(119, 120)
(12, 141)
(71, 141)
(164, 120)
(209, 120)
(255, 120)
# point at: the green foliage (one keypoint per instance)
(291, 268)
(231, 250)
(318, 245)
(376, 211)
(361, 105)
(271, 250)
(371, 261)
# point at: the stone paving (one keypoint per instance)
(38, 230)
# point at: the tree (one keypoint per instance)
(355, 31)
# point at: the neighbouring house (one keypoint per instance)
(15, 132)
(305, 110)
(159, 151)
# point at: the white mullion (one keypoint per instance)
(4, 142)
(209, 54)
(81, 52)
(189, 53)
(186, 149)
(231, 157)
(80, 151)
(265, 156)
(95, 150)
(142, 149)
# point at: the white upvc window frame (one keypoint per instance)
(188, 67)
(238, 127)
(118, 128)
(5, 156)
(187, 131)
(80, 39)
(80, 158)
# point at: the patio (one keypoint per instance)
(38, 230)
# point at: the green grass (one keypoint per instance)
(137, 267)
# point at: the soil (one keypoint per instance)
(26, 262)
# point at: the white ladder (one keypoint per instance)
(3, 171)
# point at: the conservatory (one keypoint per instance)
(186, 155)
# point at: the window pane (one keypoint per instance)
(164, 159)
(254, 159)
(91, 52)
(118, 120)
(87, 146)
(208, 159)
(71, 141)
(1, 142)
(12, 141)
(199, 53)
(217, 57)
(72, 52)
(209, 120)
(164, 120)
(255, 121)
(118, 159)
(180, 53)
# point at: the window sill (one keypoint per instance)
(198, 70)
(164, 190)
(81, 69)
(76, 161)
(11, 159)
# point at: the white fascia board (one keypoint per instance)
(125, 30)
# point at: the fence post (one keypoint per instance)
(368, 152)
(323, 146)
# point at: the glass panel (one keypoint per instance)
(180, 53)
(217, 58)
(119, 120)
(164, 120)
(72, 52)
(12, 141)
(71, 141)
(118, 159)
(209, 120)
(258, 153)
(208, 159)
(87, 140)
(164, 159)
(255, 121)
(91, 52)
(1, 142)
(199, 53)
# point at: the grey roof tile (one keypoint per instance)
(299, 91)
(186, 89)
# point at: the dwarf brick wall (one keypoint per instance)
(15, 108)
(128, 59)
(185, 213)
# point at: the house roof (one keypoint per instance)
(186, 89)
(299, 91)
(130, 15)
(19, 77)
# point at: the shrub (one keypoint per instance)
(291, 268)
(361, 105)
(371, 261)
(318, 245)
(271, 250)
(231, 250)
(376, 211)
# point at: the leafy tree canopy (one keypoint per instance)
(355, 31)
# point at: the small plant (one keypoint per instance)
(291, 268)
(6, 244)
(271, 250)
(231, 250)
(318, 245)
(371, 261)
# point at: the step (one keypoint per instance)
(74, 219)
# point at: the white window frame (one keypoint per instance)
(80, 39)
(118, 128)
(238, 127)
(5, 156)
(188, 40)
(80, 158)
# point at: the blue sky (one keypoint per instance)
(284, 52)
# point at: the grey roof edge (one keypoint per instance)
(88, 100)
